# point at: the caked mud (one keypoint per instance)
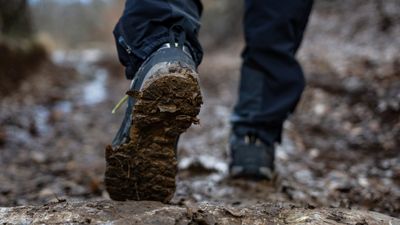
(146, 166)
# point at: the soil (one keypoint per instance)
(340, 148)
(156, 213)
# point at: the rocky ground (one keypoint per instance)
(143, 213)
(340, 149)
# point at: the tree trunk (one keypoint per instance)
(15, 19)
(20, 53)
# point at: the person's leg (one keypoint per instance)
(271, 78)
(157, 43)
(146, 24)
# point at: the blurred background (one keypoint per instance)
(60, 78)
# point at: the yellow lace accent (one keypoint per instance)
(119, 104)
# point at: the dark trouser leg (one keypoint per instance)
(146, 24)
(271, 78)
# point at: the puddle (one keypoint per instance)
(82, 57)
(41, 119)
(95, 91)
(64, 107)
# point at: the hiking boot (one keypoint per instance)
(163, 101)
(251, 158)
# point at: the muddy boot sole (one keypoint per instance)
(145, 168)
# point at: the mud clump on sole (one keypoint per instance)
(146, 166)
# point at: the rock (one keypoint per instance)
(146, 212)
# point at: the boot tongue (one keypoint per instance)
(252, 138)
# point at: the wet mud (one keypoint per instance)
(52, 147)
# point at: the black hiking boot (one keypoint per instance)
(251, 158)
(164, 100)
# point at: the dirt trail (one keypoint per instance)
(339, 150)
(54, 138)
(108, 212)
